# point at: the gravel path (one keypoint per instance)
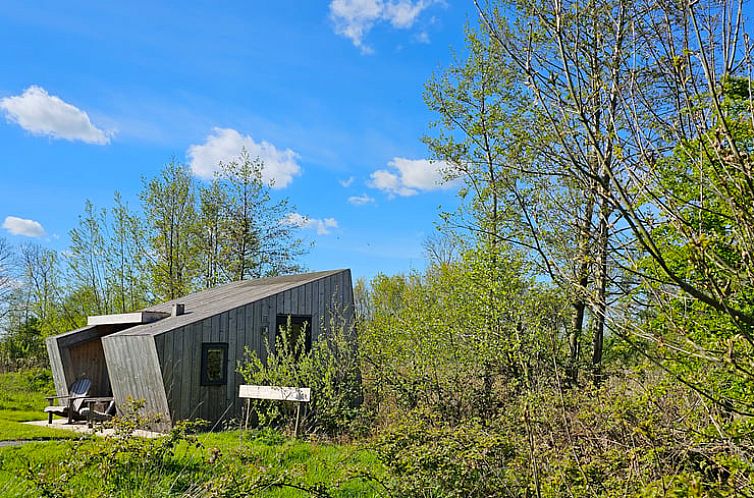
(14, 443)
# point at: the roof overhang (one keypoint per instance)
(134, 318)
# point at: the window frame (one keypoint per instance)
(204, 373)
(296, 319)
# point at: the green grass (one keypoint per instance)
(22, 399)
(16, 431)
(231, 463)
(85, 468)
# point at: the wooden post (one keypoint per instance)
(248, 409)
(298, 416)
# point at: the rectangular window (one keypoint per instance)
(300, 324)
(214, 363)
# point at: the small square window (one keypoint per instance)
(214, 363)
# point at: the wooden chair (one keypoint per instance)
(71, 403)
(93, 412)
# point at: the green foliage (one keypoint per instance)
(330, 369)
(106, 261)
(182, 464)
(22, 399)
(257, 241)
(458, 339)
(623, 439)
(170, 215)
(462, 461)
(704, 334)
(24, 392)
(23, 346)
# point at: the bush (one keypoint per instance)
(23, 347)
(462, 461)
(330, 369)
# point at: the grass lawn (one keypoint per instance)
(22, 398)
(224, 464)
(230, 463)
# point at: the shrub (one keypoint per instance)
(463, 461)
(330, 369)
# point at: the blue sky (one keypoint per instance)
(97, 95)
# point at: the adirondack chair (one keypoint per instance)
(72, 402)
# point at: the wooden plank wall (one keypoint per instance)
(88, 360)
(56, 365)
(79, 353)
(180, 350)
(135, 372)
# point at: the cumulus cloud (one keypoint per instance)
(407, 177)
(347, 182)
(355, 18)
(360, 200)
(21, 226)
(225, 144)
(322, 226)
(40, 113)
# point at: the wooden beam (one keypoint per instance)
(135, 318)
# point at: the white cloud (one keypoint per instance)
(360, 200)
(422, 37)
(347, 182)
(21, 226)
(40, 113)
(355, 18)
(322, 226)
(408, 177)
(225, 144)
(403, 13)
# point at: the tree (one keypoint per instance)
(519, 186)
(213, 222)
(41, 282)
(6, 276)
(126, 259)
(87, 260)
(628, 88)
(452, 342)
(258, 242)
(171, 224)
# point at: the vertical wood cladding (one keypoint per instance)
(251, 326)
(160, 362)
(56, 365)
(89, 360)
(135, 372)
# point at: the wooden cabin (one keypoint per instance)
(180, 357)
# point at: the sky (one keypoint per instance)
(97, 96)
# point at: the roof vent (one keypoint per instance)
(178, 309)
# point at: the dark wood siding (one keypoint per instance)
(179, 350)
(88, 360)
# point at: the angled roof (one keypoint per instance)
(210, 302)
